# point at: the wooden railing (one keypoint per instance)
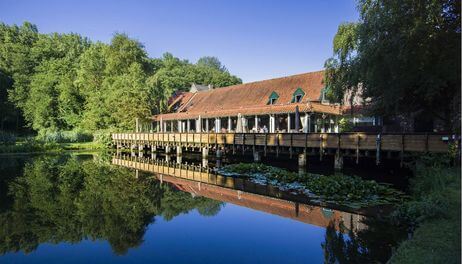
(353, 141)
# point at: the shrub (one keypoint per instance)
(65, 136)
(345, 125)
(103, 137)
(430, 191)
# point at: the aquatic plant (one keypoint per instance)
(341, 189)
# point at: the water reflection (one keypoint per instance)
(64, 199)
(55, 199)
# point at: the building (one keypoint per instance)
(289, 104)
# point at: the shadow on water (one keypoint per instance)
(71, 198)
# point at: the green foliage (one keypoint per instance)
(175, 74)
(341, 189)
(211, 62)
(429, 188)
(103, 137)
(30, 145)
(406, 57)
(63, 82)
(433, 213)
(345, 125)
(65, 136)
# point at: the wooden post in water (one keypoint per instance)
(302, 162)
(256, 156)
(338, 161)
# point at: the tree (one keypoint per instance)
(54, 102)
(211, 62)
(406, 57)
(175, 74)
(62, 82)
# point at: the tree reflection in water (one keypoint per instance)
(65, 199)
(373, 244)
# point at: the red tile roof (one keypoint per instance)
(267, 109)
(252, 98)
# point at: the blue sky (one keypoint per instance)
(255, 39)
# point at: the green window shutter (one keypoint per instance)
(298, 92)
(273, 97)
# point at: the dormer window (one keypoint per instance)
(298, 96)
(273, 98)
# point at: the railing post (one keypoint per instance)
(378, 148)
(358, 137)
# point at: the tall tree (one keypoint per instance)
(64, 82)
(405, 54)
(212, 62)
(54, 102)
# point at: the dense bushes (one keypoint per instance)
(30, 145)
(429, 188)
(103, 137)
(65, 136)
(432, 213)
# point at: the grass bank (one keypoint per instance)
(434, 212)
(32, 146)
(54, 142)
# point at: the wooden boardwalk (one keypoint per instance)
(437, 143)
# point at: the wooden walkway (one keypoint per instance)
(437, 143)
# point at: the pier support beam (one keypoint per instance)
(219, 153)
(153, 152)
(256, 156)
(338, 161)
(179, 154)
(132, 150)
(302, 162)
(205, 153)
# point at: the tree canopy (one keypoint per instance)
(405, 55)
(58, 82)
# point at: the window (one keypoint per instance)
(298, 98)
(298, 95)
(273, 98)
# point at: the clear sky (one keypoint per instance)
(254, 39)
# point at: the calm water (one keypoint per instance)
(81, 208)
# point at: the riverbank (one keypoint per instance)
(435, 212)
(30, 147)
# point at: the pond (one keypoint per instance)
(77, 208)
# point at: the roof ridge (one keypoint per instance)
(260, 81)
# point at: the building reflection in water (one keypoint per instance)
(201, 180)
